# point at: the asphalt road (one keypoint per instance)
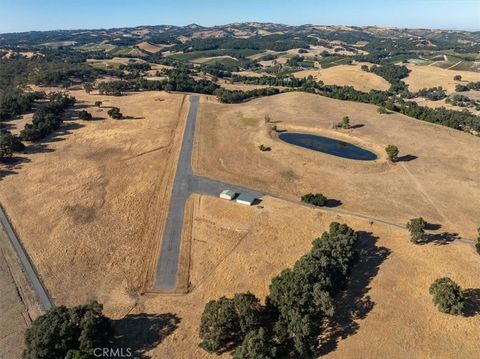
(185, 183)
(30, 271)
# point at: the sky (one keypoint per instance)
(27, 15)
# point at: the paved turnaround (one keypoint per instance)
(32, 275)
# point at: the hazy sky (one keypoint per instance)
(26, 15)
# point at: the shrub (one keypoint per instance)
(98, 103)
(5, 151)
(345, 123)
(88, 87)
(392, 152)
(84, 115)
(447, 296)
(457, 78)
(115, 113)
(382, 110)
(67, 332)
(11, 141)
(416, 227)
(316, 199)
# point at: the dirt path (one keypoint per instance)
(459, 62)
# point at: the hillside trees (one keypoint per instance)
(299, 302)
(67, 332)
(14, 102)
(47, 117)
(225, 321)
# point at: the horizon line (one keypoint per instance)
(241, 22)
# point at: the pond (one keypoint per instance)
(328, 145)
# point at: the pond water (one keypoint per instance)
(328, 145)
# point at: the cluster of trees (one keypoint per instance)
(237, 96)
(47, 117)
(463, 101)
(15, 102)
(284, 80)
(9, 143)
(316, 199)
(433, 93)
(216, 70)
(68, 332)
(136, 66)
(116, 87)
(469, 86)
(270, 42)
(297, 307)
(390, 72)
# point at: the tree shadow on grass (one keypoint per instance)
(406, 158)
(439, 238)
(332, 203)
(143, 332)
(64, 130)
(354, 303)
(471, 306)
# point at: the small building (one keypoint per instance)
(227, 194)
(245, 199)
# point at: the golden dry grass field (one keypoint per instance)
(435, 179)
(236, 248)
(432, 76)
(347, 75)
(88, 203)
(18, 304)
